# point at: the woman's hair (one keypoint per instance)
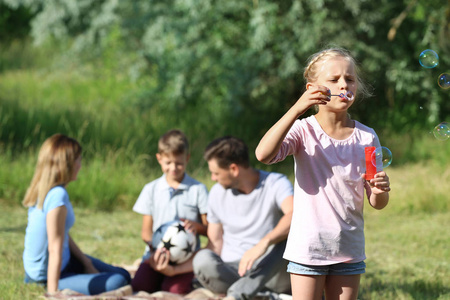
(173, 142)
(226, 151)
(314, 63)
(55, 167)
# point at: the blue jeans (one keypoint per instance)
(336, 269)
(109, 277)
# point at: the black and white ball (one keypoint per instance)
(180, 242)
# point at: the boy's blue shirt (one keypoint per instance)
(165, 204)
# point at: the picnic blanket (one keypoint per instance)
(126, 293)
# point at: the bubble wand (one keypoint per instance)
(348, 95)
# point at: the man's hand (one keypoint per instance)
(251, 255)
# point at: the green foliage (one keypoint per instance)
(116, 75)
(238, 64)
(15, 19)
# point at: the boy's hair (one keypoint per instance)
(227, 150)
(313, 65)
(173, 142)
(55, 167)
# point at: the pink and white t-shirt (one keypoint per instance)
(327, 223)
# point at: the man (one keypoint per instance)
(249, 216)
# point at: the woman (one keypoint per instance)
(51, 257)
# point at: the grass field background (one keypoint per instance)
(406, 243)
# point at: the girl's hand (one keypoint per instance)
(314, 95)
(159, 261)
(380, 183)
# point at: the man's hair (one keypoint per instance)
(173, 142)
(226, 151)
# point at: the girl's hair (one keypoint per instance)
(55, 167)
(313, 65)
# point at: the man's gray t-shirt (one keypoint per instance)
(247, 218)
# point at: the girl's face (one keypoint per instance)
(339, 76)
(76, 168)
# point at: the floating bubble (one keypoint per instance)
(442, 131)
(444, 80)
(428, 59)
(381, 158)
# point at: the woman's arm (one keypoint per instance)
(55, 220)
(86, 261)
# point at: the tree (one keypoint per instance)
(238, 64)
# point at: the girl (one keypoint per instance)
(51, 257)
(326, 241)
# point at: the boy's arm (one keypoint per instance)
(200, 228)
(159, 261)
(147, 229)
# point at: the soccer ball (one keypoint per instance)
(180, 242)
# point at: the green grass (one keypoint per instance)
(408, 257)
(406, 243)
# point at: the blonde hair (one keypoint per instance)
(313, 65)
(55, 167)
(173, 142)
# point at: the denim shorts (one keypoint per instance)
(336, 269)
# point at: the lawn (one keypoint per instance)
(407, 249)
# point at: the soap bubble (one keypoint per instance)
(381, 158)
(428, 59)
(444, 80)
(442, 131)
(349, 95)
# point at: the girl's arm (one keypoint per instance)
(270, 144)
(379, 190)
(55, 220)
(86, 261)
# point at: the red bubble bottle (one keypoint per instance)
(371, 170)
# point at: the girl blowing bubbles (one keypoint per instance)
(326, 241)
(50, 256)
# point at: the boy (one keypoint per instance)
(173, 196)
